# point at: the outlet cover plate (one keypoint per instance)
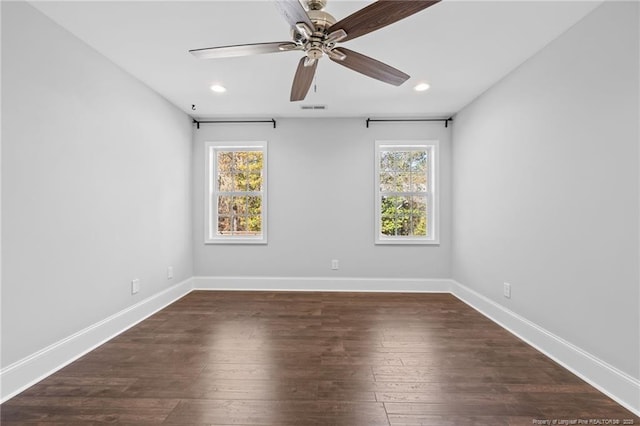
(507, 290)
(135, 286)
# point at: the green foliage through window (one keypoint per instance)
(239, 184)
(403, 192)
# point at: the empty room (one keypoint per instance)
(320, 212)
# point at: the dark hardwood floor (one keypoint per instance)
(287, 358)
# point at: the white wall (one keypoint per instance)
(545, 192)
(95, 186)
(321, 203)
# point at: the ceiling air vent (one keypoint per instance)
(313, 107)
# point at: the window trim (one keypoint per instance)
(210, 235)
(433, 201)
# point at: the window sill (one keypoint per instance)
(235, 241)
(408, 242)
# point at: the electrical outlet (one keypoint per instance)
(135, 286)
(335, 264)
(507, 290)
(170, 272)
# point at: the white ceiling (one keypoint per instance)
(460, 48)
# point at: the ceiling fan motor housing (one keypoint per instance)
(314, 40)
(321, 19)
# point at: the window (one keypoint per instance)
(236, 192)
(406, 192)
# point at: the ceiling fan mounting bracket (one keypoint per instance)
(315, 4)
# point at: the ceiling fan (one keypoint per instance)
(316, 33)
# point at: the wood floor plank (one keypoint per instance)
(87, 409)
(296, 358)
(88, 386)
(203, 388)
(445, 397)
(207, 412)
(454, 420)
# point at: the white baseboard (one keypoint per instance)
(614, 383)
(400, 285)
(28, 371)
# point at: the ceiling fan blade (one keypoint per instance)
(369, 67)
(302, 80)
(378, 15)
(243, 50)
(293, 12)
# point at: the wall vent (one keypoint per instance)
(313, 107)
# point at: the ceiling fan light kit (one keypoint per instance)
(317, 33)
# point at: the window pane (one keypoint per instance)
(255, 224)
(240, 181)
(389, 206)
(225, 182)
(403, 216)
(224, 225)
(389, 214)
(418, 215)
(418, 161)
(255, 182)
(402, 225)
(255, 205)
(387, 181)
(418, 182)
(386, 161)
(225, 162)
(391, 161)
(388, 226)
(403, 182)
(239, 205)
(419, 223)
(402, 160)
(402, 205)
(239, 161)
(224, 205)
(254, 161)
(240, 224)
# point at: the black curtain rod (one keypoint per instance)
(374, 120)
(198, 122)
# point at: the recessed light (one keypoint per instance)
(218, 88)
(421, 87)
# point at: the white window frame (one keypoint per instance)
(433, 181)
(211, 192)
